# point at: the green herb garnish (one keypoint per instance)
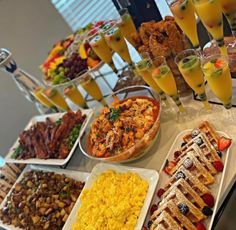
(58, 122)
(74, 135)
(114, 114)
(217, 73)
(18, 151)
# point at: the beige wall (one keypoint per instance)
(28, 28)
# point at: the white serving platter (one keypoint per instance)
(151, 176)
(77, 175)
(215, 188)
(54, 117)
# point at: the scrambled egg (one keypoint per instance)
(112, 203)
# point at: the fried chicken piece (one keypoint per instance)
(144, 49)
(157, 48)
(169, 18)
(175, 38)
(145, 31)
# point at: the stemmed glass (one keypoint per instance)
(115, 40)
(71, 91)
(144, 69)
(229, 9)
(210, 13)
(164, 78)
(184, 16)
(217, 73)
(127, 26)
(56, 98)
(189, 65)
(97, 41)
(89, 84)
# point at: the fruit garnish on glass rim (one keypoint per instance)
(219, 63)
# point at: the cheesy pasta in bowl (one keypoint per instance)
(125, 130)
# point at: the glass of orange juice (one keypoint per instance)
(189, 65)
(97, 41)
(164, 78)
(71, 91)
(91, 87)
(217, 73)
(115, 40)
(229, 9)
(144, 69)
(56, 98)
(210, 13)
(38, 93)
(184, 15)
(127, 26)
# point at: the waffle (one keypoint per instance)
(166, 221)
(186, 198)
(206, 147)
(208, 130)
(200, 155)
(192, 179)
(171, 208)
(8, 175)
(188, 191)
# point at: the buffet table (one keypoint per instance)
(168, 132)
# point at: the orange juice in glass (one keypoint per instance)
(217, 73)
(116, 42)
(190, 67)
(184, 15)
(38, 93)
(92, 88)
(100, 47)
(75, 96)
(127, 26)
(164, 78)
(144, 69)
(210, 13)
(55, 97)
(229, 9)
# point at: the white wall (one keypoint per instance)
(28, 28)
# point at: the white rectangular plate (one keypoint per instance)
(151, 176)
(54, 117)
(215, 188)
(77, 175)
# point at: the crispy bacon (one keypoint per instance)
(47, 139)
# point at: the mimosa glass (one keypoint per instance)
(164, 78)
(189, 65)
(229, 9)
(55, 97)
(71, 91)
(127, 26)
(100, 47)
(144, 69)
(91, 87)
(217, 73)
(115, 40)
(38, 93)
(184, 15)
(210, 13)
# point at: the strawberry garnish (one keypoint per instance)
(160, 192)
(224, 143)
(153, 208)
(156, 72)
(219, 63)
(169, 166)
(218, 166)
(200, 226)
(209, 200)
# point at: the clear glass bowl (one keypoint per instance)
(141, 146)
